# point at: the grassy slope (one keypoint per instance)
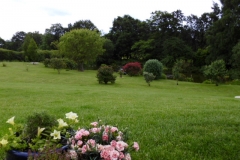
(188, 121)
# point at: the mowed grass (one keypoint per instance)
(169, 121)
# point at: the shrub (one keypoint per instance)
(153, 66)
(163, 76)
(208, 81)
(133, 68)
(57, 63)
(70, 64)
(216, 71)
(105, 74)
(47, 62)
(149, 77)
(4, 64)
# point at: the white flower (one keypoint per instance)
(71, 115)
(40, 130)
(3, 142)
(56, 134)
(61, 123)
(11, 120)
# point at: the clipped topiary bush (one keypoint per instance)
(133, 68)
(153, 66)
(105, 74)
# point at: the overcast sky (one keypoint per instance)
(37, 15)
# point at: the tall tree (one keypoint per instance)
(52, 34)
(17, 41)
(32, 51)
(224, 34)
(173, 49)
(81, 45)
(124, 33)
(2, 43)
(81, 24)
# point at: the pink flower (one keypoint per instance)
(84, 149)
(104, 154)
(95, 130)
(73, 154)
(127, 156)
(121, 145)
(94, 124)
(136, 146)
(105, 137)
(106, 129)
(85, 133)
(121, 155)
(91, 142)
(78, 135)
(114, 155)
(113, 143)
(79, 143)
(114, 129)
(119, 138)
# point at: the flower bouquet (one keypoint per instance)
(100, 142)
(42, 132)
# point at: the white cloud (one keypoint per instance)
(38, 15)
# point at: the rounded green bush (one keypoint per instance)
(153, 66)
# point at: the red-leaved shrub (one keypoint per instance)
(133, 68)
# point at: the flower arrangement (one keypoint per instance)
(101, 142)
(98, 142)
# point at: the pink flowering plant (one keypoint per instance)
(103, 142)
(96, 142)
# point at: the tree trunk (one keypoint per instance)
(80, 67)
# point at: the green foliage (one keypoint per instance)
(9, 55)
(105, 74)
(38, 119)
(81, 45)
(173, 49)
(215, 71)
(31, 51)
(57, 63)
(153, 66)
(47, 62)
(4, 64)
(177, 69)
(149, 77)
(163, 76)
(70, 64)
(208, 81)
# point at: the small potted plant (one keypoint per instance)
(44, 137)
(40, 131)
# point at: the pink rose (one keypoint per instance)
(104, 154)
(127, 156)
(119, 138)
(85, 133)
(105, 137)
(95, 130)
(114, 155)
(121, 155)
(136, 146)
(106, 129)
(78, 135)
(91, 142)
(79, 143)
(94, 124)
(84, 149)
(114, 129)
(113, 143)
(121, 145)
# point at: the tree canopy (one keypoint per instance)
(81, 45)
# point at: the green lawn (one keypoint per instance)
(188, 121)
